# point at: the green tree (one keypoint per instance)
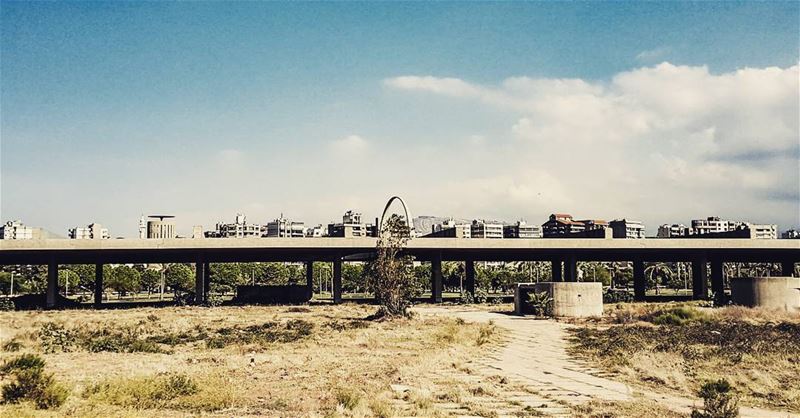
(125, 279)
(595, 272)
(275, 274)
(353, 278)
(5, 282)
(251, 272)
(179, 277)
(151, 278)
(393, 271)
(85, 272)
(226, 276)
(68, 279)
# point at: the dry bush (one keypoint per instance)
(164, 391)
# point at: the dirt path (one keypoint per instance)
(535, 357)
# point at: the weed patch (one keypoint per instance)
(267, 333)
(31, 383)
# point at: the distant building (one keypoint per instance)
(790, 234)
(197, 231)
(351, 227)
(284, 228)
(522, 230)
(485, 229)
(160, 227)
(450, 228)
(763, 231)
(238, 229)
(672, 231)
(561, 224)
(714, 225)
(91, 231)
(315, 231)
(18, 230)
(142, 228)
(626, 228)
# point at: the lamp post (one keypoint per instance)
(12, 284)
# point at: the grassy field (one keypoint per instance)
(677, 347)
(234, 361)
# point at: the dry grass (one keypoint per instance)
(269, 362)
(639, 408)
(678, 347)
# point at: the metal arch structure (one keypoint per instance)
(409, 219)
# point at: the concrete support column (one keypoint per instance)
(51, 297)
(469, 277)
(699, 279)
(337, 280)
(787, 268)
(717, 279)
(555, 269)
(639, 281)
(570, 268)
(199, 282)
(206, 280)
(310, 278)
(436, 278)
(98, 284)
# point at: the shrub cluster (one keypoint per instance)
(55, 337)
(267, 333)
(617, 296)
(694, 340)
(31, 383)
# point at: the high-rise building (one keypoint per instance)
(18, 230)
(484, 229)
(284, 228)
(238, 229)
(626, 228)
(142, 228)
(521, 229)
(91, 231)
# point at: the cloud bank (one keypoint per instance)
(664, 143)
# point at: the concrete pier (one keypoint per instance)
(310, 278)
(436, 279)
(51, 297)
(337, 281)
(699, 279)
(639, 280)
(469, 277)
(570, 268)
(578, 299)
(555, 270)
(98, 284)
(767, 292)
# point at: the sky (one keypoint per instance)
(657, 111)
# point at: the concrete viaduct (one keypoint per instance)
(563, 253)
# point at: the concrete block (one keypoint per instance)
(767, 292)
(570, 299)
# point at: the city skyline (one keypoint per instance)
(504, 112)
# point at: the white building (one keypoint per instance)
(484, 229)
(160, 227)
(713, 224)
(763, 231)
(522, 229)
(626, 228)
(18, 230)
(238, 229)
(315, 231)
(284, 228)
(91, 231)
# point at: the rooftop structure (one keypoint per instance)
(521, 229)
(486, 229)
(351, 226)
(284, 228)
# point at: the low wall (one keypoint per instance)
(272, 294)
(570, 299)
(768, 292)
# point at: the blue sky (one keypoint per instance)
(110, 110)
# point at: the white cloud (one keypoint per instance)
(660, 135)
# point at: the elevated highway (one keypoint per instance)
(563, 253)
